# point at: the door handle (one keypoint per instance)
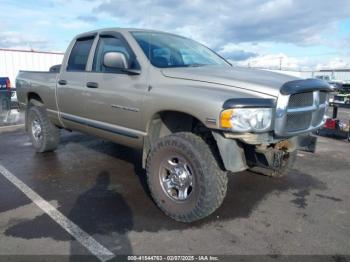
(62, 82)
(92, 85)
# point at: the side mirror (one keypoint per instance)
(115, 60)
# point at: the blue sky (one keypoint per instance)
(303, 34)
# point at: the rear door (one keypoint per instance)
(71, 84)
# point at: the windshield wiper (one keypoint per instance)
(195, 65)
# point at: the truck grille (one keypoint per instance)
(300, 100)
(299, 113)
(297, 122)
(323, 97)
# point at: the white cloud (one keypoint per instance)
(242, 51)
(239, 30)
(285, 62)
(9, 39)
(273, 61)
(75, 24)
(334, 63)
(296, 21)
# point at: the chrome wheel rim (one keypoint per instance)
(36, 130)
(176, 178)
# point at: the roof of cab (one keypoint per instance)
(116, 29)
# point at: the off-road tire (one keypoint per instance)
(210, 180)
(50, 133)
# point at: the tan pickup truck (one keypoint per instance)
(196, 117)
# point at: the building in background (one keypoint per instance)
(11, 61)
(341, 75)
(334, 74)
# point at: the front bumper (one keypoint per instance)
(237, 155)
(270, 158)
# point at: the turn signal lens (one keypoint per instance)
(225, 118)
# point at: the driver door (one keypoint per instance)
(113, 98)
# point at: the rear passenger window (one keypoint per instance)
(79, 54)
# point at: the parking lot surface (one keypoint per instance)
(100, 187)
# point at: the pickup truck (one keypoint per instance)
(5, 97)
(196, 118)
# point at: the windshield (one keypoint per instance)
(166, 50)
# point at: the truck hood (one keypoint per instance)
(261, 81)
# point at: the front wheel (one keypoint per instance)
(43, 134)
(184, 177)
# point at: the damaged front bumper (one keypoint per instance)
(271, 159)
(262, 152)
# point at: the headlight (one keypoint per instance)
(246, 119)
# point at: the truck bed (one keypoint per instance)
(39, 82)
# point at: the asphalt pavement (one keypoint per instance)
(101, 188)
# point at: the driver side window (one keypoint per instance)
(108, 44)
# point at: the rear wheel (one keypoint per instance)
(43, 134)
(184, 177)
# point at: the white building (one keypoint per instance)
(11, 61)
(333, 74)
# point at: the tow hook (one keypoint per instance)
(267, 161)
(278, 157)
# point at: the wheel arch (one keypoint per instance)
(167, 122)
(34, 99)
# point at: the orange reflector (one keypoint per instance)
(225, 118)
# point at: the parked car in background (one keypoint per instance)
(193, 114)
(14, 100)
(5, 97)
(336, 84)
(343, 95)
(5, 86)
(341, 89)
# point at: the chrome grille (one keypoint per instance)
(300, 100)
(318, 117)
(297, 122)
(300, 113)
(323, 97)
